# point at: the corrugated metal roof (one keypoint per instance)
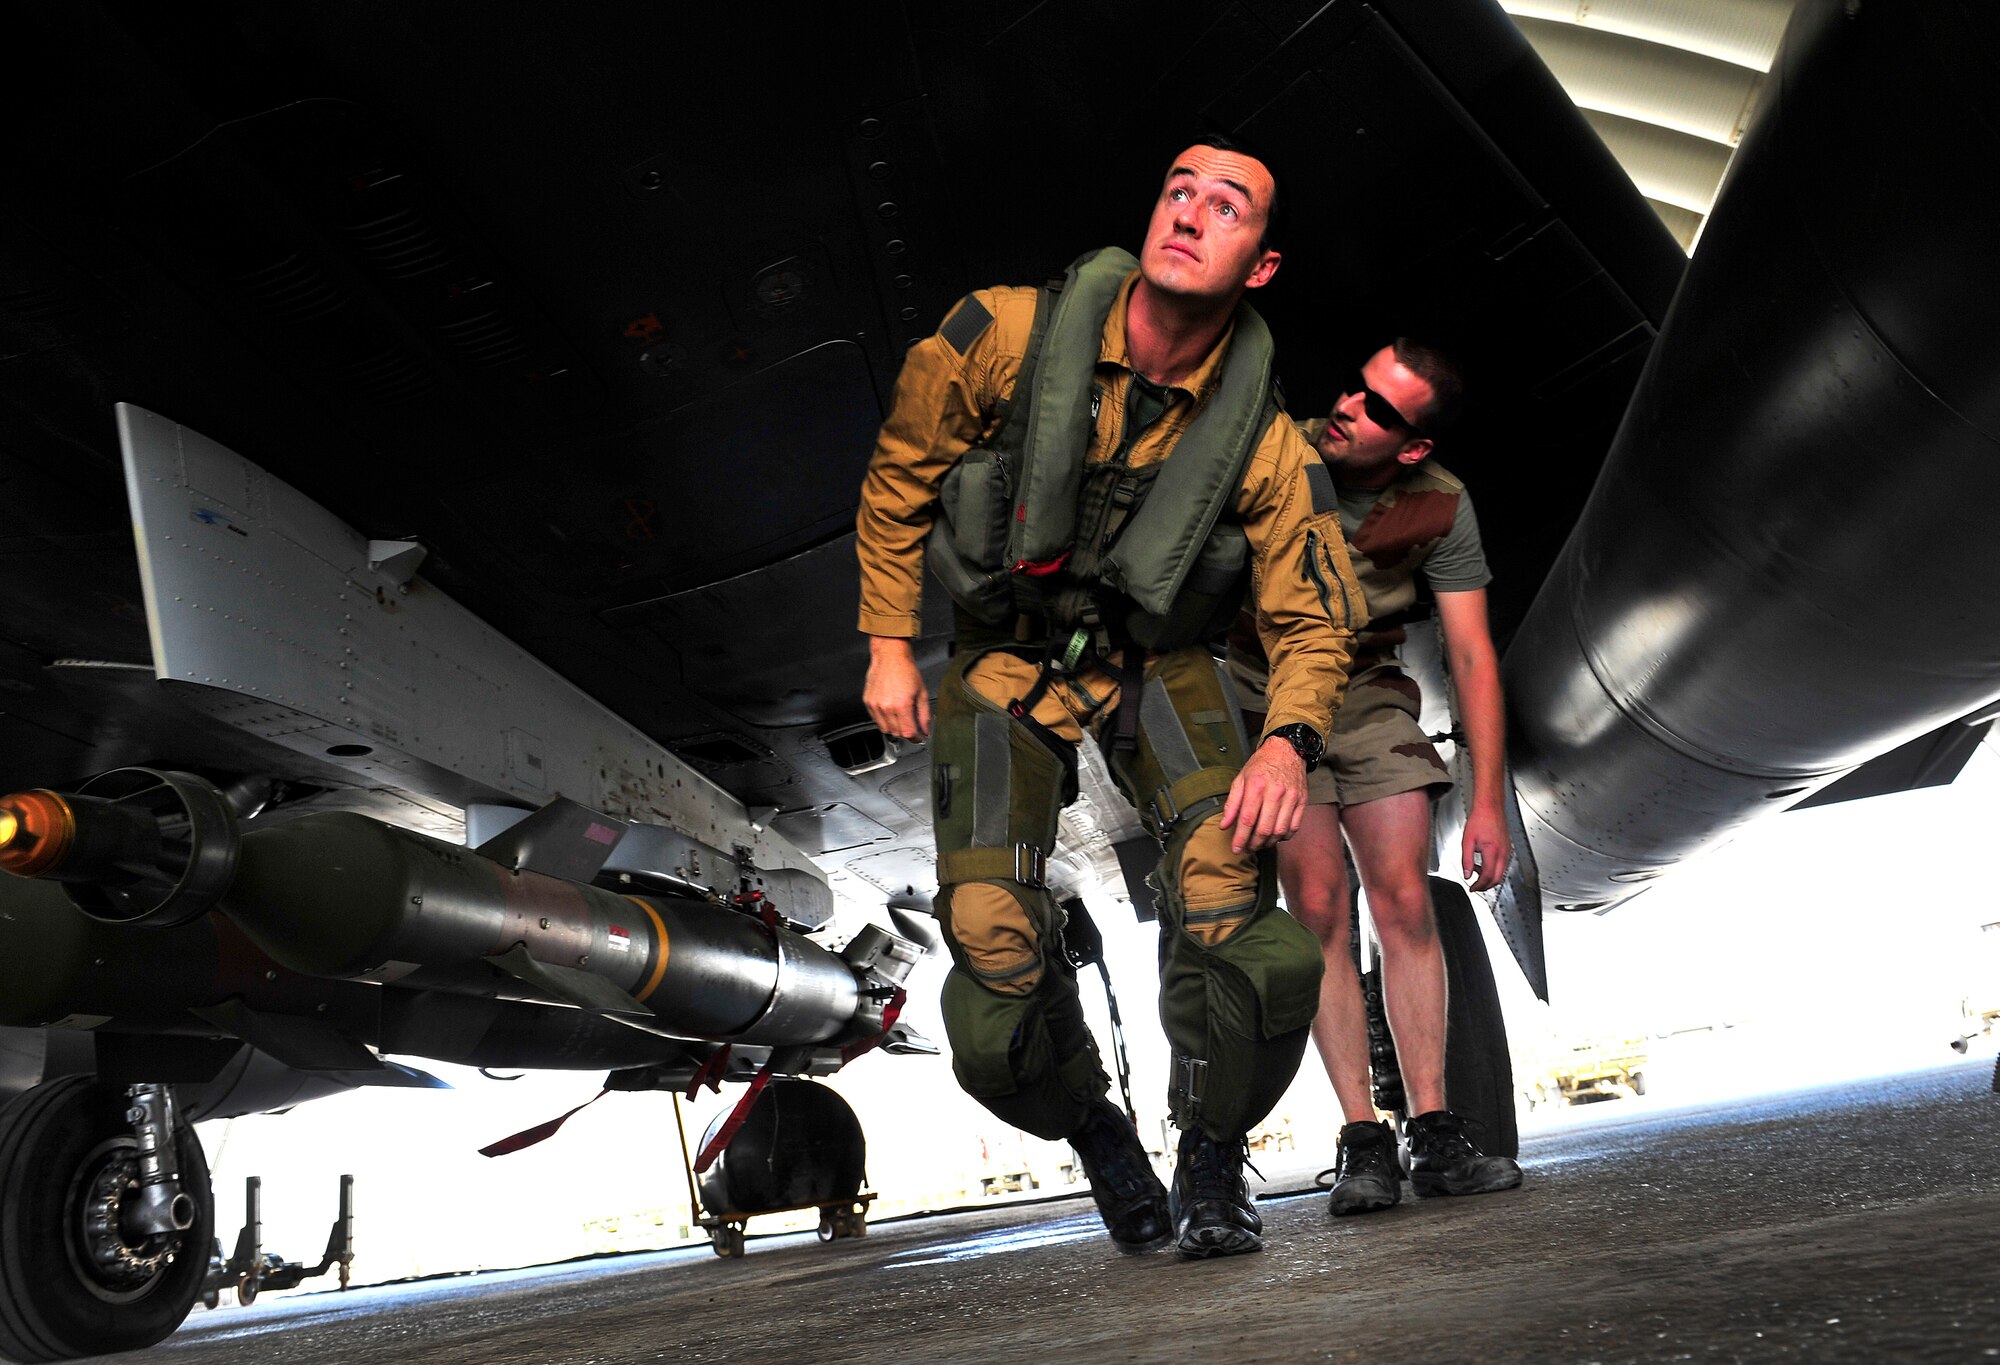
(1635, 79)
(1670, 85)
(1745, 32)
(1669, 166)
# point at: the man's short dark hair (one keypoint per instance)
(1274, 212)
(1439, 370)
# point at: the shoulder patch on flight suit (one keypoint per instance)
(965, 324)
(1320, 479)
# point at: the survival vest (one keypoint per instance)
(1105, 554)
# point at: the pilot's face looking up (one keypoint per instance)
(1364, 447)
(1206, 237)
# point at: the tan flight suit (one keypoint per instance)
(1239, 977)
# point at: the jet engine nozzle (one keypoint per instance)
(131, 846)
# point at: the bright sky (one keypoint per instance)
(1837, 942)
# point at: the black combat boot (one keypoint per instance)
(1213, 1215)
(1443, 1160)
(1130, 1197)
(1366, 1174)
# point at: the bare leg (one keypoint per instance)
(1313, 872)
(1391, 839)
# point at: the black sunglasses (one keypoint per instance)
(1379, 409)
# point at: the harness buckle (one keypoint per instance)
(1031, 866)
(1191, 1079)
(1166, 814)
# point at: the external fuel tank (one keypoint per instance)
(1790, 563)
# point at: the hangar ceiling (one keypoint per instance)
(1670, 85)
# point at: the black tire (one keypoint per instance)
(56, 1301)
(1478, 1072)
(1638, 1082)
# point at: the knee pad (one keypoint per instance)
(1216, 888)
(995, 932)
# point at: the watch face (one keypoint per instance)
(1305, 742)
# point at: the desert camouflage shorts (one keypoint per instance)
(1377, 749)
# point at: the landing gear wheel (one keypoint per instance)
(1478, 1072)
(73, 1281)
(246, 1289)
(726, 1239)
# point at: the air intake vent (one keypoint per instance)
(713, 752)
(858, 749)
(402, 245)
(45, 301)
(387, 376)
(488, 339)
(293, 289)
(37, 319)
(48, 306)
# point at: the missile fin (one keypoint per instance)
(562, 839)
(301, 1043)
(1517, 901)
(580, 988)
(397, 1075)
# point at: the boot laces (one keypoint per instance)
(1215, 1169)
(1370, 1156)
(1445, 1137)
(1103, 1147)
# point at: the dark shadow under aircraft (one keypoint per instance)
(489, 390)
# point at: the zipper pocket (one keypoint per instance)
(1313, 551)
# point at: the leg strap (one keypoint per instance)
(1189, 799)
(1023, 863)
(1131, 672)
(1021, 707)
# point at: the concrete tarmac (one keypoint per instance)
(1851, 1223)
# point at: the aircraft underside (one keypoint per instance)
(429, 447)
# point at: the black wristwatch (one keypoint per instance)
(1304, 739)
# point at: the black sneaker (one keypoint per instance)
(1213, 1215)
(1366, 1174)
(1443, 1160)
(1129, 1195)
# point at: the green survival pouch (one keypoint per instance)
(1029, 1059)
(1239, 1015)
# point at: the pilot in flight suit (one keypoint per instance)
(1027, 457)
